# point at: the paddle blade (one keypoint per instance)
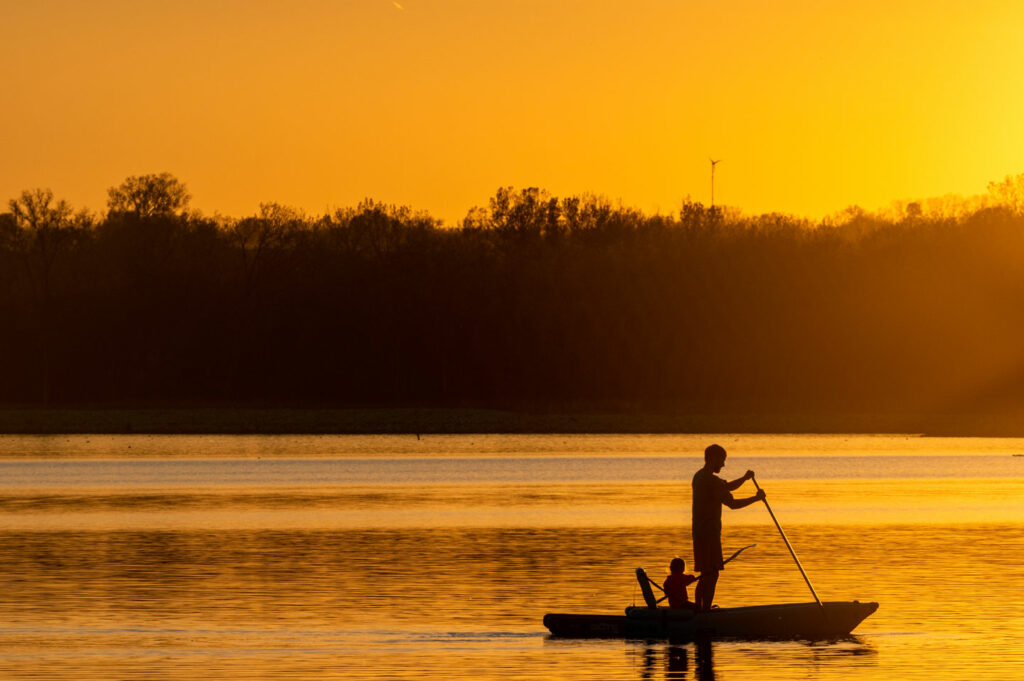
(738, 553)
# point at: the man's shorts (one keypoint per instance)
(707, 550)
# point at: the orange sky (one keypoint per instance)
(814, 105)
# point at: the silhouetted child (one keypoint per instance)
(676, 583)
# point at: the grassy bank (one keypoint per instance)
(435, 421)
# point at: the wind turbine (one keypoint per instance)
(713, 164)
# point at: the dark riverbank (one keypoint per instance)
(439, 421)
(536, 303)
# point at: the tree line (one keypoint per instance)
(533, 301)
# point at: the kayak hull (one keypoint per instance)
(810, 621)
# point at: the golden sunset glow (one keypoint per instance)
(812, 106)
(436, 339)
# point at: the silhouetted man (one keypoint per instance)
(710, 492)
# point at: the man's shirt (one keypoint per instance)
(709, 493)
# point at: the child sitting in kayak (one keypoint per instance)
(676, 583)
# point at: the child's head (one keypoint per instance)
(677, 565)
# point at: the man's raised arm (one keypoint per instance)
(740, 503)
(739, 481)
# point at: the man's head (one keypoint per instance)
(714, 457)
(677, 565)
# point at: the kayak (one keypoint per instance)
(829, 620)
(810, 621)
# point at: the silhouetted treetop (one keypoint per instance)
(35, 210)
(532, 213)
(1009, 192)
(375, 229)
(149, 195)
(42, 226)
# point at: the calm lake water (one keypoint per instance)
(392, 557)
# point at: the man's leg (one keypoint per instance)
(704, 594)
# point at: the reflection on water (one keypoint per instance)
(677, 662)
(705, 661)
(134, 575)
(673, 662)
(696, 660)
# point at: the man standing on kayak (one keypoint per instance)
(710, 492)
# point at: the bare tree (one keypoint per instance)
(1009, 192)
(43, 230)
(149, 196)
(263, 236)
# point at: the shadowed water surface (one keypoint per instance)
(328, 557)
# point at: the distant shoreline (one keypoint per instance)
(313, 421)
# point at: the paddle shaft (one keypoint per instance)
(789, 546)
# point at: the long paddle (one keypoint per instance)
(790, 547)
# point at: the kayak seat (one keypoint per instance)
(645, 588)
